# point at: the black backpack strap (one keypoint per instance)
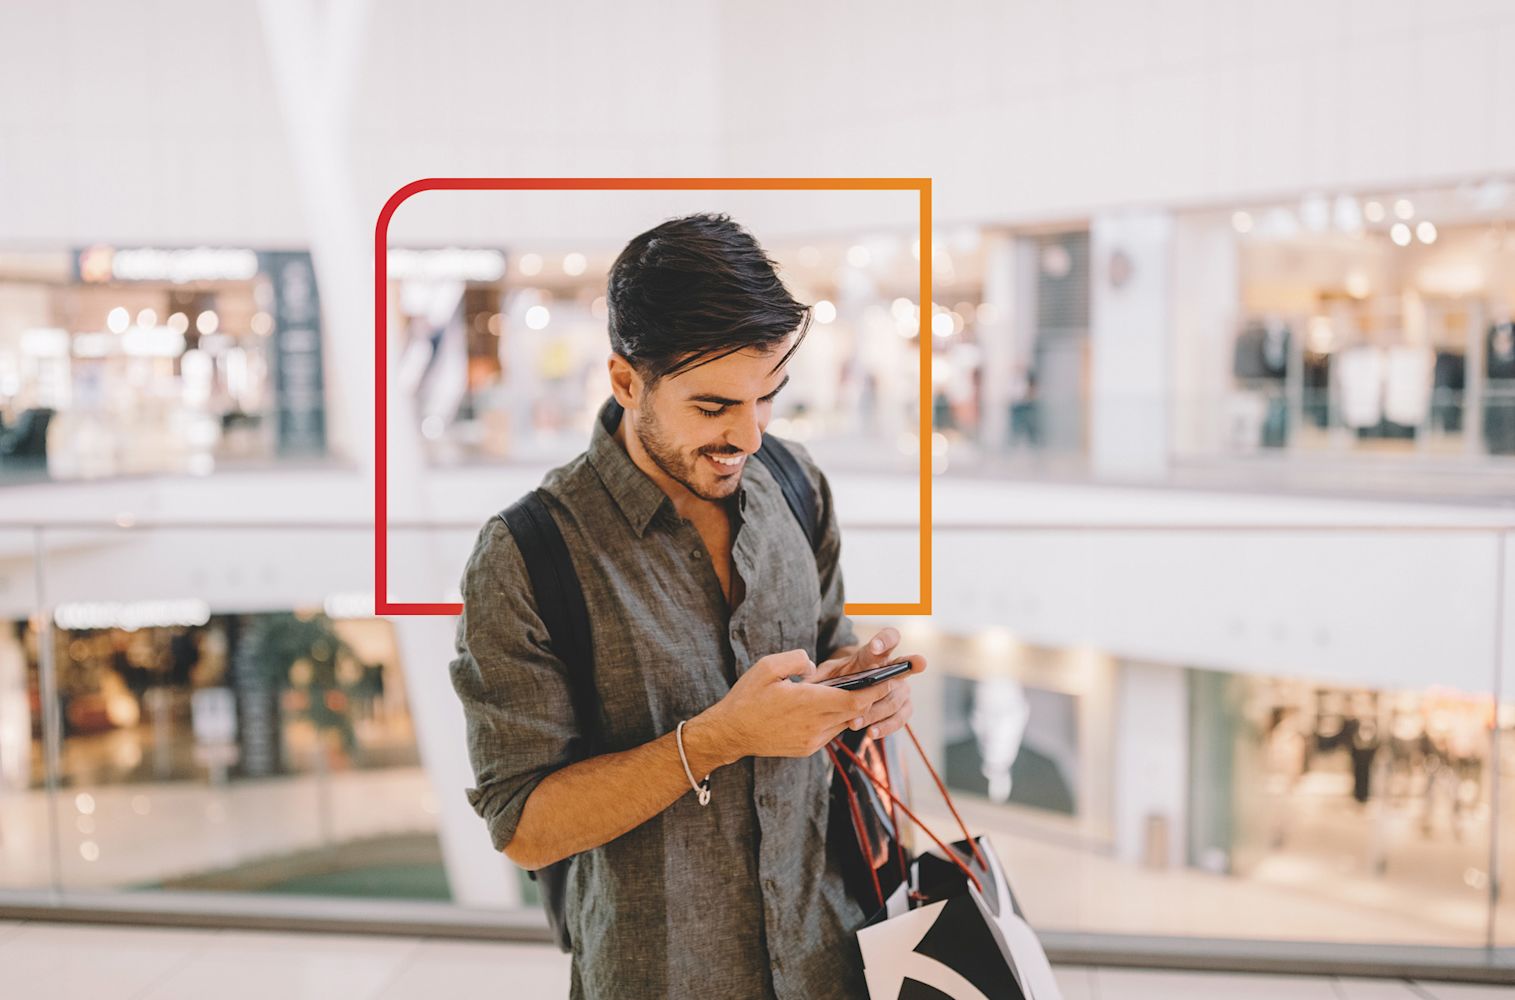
(560, 599)
(560, 602)
(791, 479)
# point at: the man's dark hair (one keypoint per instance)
(692, 287)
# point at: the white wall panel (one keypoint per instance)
(1020, 111)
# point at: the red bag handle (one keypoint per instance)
(859, 827)
(895, 801)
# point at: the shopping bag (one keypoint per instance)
(954, 929)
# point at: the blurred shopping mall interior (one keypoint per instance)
(1221, 389)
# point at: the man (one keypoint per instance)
(704, 598)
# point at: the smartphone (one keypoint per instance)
(867, 678)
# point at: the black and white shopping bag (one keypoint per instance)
(965, 943)
(955, 930)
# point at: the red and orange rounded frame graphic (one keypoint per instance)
(922, 185)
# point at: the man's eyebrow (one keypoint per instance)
(706, 397)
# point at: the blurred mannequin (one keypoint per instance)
(1000, 714)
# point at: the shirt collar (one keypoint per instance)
(634, 492)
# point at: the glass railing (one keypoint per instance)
(1301, 738)
(1184, 736)
(1270, 436)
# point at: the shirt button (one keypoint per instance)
(694, 553)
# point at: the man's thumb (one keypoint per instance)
(796, 666)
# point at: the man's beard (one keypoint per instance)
(673, 463)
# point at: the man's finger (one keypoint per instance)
(884, 708)
(883, 641)
(793, 664)
(894, 719)
(893, 724)
(863, 698)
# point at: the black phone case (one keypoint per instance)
(863, 680)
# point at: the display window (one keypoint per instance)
(140, 360)
(1379, 324)
(261, 752)
(1140, 797)
(166, 691)
(503, 354)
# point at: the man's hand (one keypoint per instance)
(889, 714)
(766, 714)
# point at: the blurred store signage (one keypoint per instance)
(290, 312)
(296, 311)
(104, 263)
(451, 264)
(131, 615)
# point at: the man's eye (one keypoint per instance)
(711, 413)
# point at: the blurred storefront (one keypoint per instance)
(167, 691)
(142, 360)
(1374, 325)
(505, 360)
(266, 752)
(1108, 781)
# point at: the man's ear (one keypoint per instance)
(625, 383)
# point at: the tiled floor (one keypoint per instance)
(69, 961)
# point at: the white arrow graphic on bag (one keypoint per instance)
(887, 979)
(930, 972)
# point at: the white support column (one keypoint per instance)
(314, 48)
(15, 723)
(1130, 311)
(997, 334)
(1151, 760)
(1205, 308)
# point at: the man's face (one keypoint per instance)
(716, 410)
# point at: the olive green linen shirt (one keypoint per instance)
(738, 899)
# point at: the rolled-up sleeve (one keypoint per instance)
(515, 691)
(833, 629)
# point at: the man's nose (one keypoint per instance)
(748, 435)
